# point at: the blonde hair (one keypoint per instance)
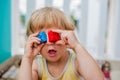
(46, 18)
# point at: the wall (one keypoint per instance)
(5, 30)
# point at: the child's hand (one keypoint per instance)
(68, 37)
(30, 51)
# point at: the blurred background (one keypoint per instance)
(97, 27)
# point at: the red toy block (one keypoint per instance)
(53, 36)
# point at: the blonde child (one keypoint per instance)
(56, 61)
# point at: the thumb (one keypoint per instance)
(38, 49)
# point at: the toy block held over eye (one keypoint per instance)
(43, 37)
(53, 36)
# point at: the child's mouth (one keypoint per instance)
(52, 53)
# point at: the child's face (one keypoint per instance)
(53, 51)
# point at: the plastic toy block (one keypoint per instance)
(42, 36)
(53, 36)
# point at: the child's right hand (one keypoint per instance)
(30, 51)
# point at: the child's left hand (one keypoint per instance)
(68, 37)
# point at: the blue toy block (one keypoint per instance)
(43, 37)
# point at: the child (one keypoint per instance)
(56, 61)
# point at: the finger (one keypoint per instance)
(36, 52)
(65, 40)
(34, 34)
(64, 37)
(38, 48)
(33, 41)
(35, 45)
(34, 38)
(60, 42)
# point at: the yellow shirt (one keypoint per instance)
(69, 72)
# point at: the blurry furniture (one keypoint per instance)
(9, 69)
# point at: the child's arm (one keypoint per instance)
(85, 64)
(35, 70)
(27, 71)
